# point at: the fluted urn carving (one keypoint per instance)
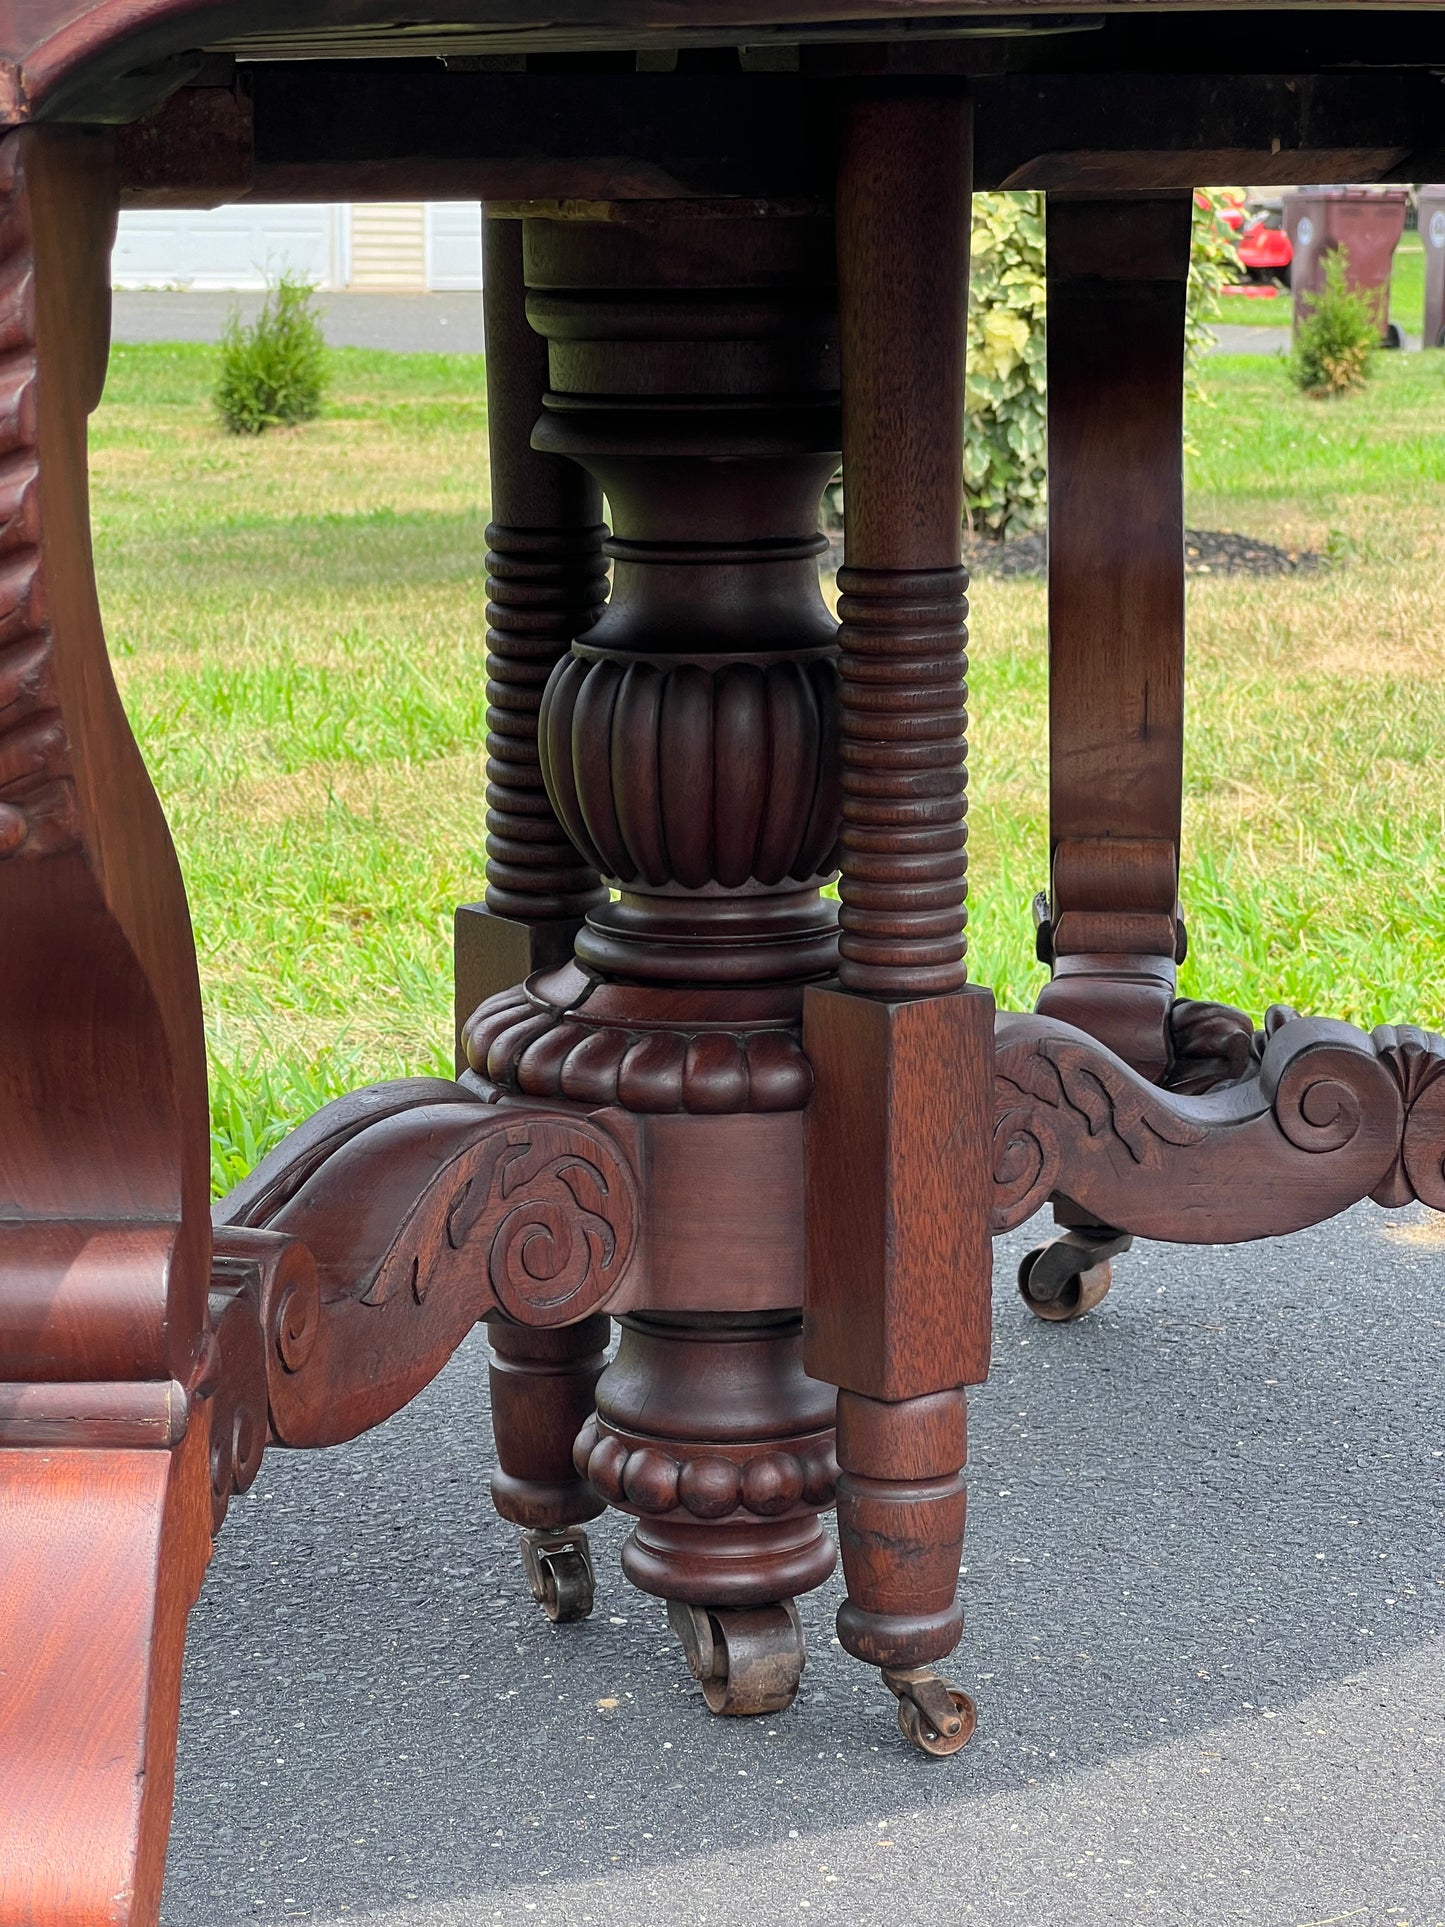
(692, 774)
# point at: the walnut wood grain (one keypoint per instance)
(898, 1265)
(1116, 279)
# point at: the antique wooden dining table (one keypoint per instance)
(759, 1132)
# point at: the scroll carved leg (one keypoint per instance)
(105, 1356)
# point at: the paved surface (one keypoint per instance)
(433, 323)
(1206, 1598)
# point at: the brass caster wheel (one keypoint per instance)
(558, 1565)
(748, 1659)
(1068, 1276)
(932, 1715)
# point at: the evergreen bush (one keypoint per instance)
(1335, 343)
(273, 373)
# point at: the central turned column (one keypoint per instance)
(689, 748)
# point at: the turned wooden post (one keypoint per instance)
(546, 585)
(688, 742)
(1117, 272)
(897, 1296)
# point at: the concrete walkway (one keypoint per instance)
(1206, 1598)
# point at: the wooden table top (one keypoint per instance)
(496, 100)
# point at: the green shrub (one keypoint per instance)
(1005, 453)
(273, 373)
(1334, 346)
(1005, 434)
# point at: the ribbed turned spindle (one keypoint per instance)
(904, 861)
(903, 221)
(544, 587)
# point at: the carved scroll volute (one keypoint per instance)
(1318, 1129)
(399, 1234)
(104, 1112)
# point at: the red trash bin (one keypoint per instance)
(1430, 202)
(1366, 223)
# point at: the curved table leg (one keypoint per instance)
(105, 1488)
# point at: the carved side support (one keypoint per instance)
(104, 1246)
(897, 1299)
(1116, 271)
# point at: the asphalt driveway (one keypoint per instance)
(1206, 1603)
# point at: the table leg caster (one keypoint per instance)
(1068, 1276)
(748, 1659)
(558, 1565)
(932, 1715)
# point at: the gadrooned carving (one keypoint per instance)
(1415, 1058)
(37, 788)
(521, 1042)
(708, 1482)
(695, 773)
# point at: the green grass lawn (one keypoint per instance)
(1407, 296)
(298, 629)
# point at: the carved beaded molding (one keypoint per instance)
(711, 1481)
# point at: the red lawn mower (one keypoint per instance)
(1265, 252)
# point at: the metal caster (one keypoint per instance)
(1068, 1276)
(748, 1659)
(932, 1715)
(558, 1565)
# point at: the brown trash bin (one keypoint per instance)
(1431, 204)
(1366, 222)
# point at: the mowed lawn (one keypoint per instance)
(298, 629)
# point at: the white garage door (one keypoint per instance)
(229, 247)
(454, 245)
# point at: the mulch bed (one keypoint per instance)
(1206, 552)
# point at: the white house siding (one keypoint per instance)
(229, 247)
(397, 246)
(454, 245)
(388, 246)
